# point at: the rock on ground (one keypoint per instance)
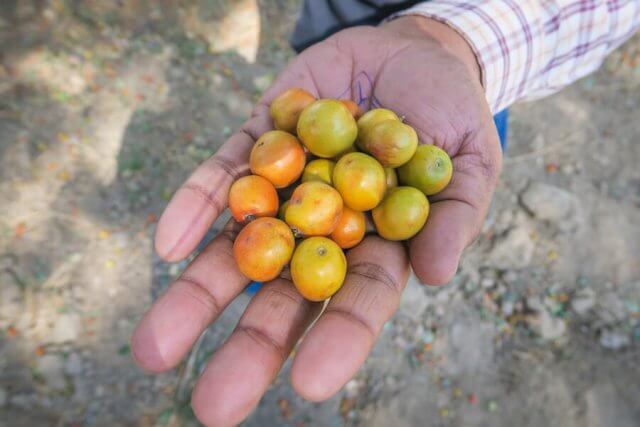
(513, 250)
(548, 327)
(67, 328)
(583, 301)
(548, 203)
(51, 367)
(614, 340)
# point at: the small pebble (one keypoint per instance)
(487, 282)
(472, 398)
(428, 337)
(614, 340)
(492, 406)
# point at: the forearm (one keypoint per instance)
(529, 48)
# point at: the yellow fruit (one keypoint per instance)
(319, 170)
(318, 268)
(361, 181)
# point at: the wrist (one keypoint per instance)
(443, 34)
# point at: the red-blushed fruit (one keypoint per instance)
(279, 157)
(314, 209)
(286, 108)
(429, 170)
(368, 120)
(350, 229)
(252, 196)
(327, 128)
(262, 248)
(361, 181)
(391, 142)
(318, 268)
(402, 213)
(352, 107)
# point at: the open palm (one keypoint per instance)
(395, 66)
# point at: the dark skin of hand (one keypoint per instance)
(422, 70)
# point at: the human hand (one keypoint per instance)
(414, 66)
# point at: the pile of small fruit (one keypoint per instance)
(355, 165)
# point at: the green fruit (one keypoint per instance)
(429, 170)
(402, 213)
(327, 128)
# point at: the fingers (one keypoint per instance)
(173, 324)
(199, 201)
(343, 336)
(435, 252)
(240, 372)
(457, 213)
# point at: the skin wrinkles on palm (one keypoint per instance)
(437, 95)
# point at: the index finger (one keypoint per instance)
(201, 199)
(343, 336)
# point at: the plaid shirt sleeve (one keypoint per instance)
(528, 49)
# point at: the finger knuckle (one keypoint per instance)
(199, 293)
(213, 199)
(228, 165)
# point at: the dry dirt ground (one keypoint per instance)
(105, 107)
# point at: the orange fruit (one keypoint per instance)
(361, 181)
(314, 209)
(327, 128)
(279, 157)
(368, 120)
(252, 196)
(262, 248)
(392, 142)
(286, 108)
(318, 268)
(352, 107)
(319, 170)
(391, 177)
(402, 213)
(429, 170)
(350, 229)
